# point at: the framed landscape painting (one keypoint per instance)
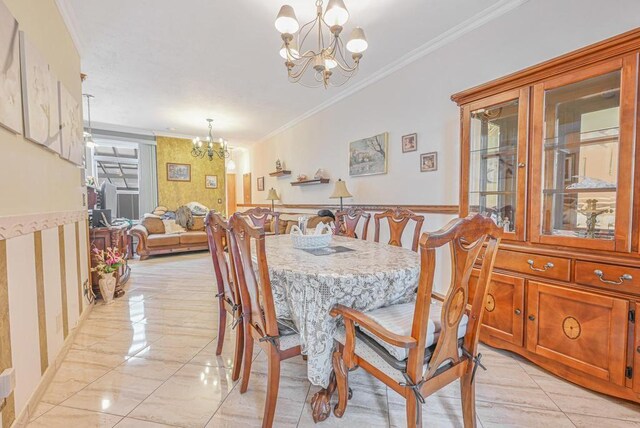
(10, 95)
(178, 172)
(211, 181)
(260, 184)
(369, 155)
(39, 98)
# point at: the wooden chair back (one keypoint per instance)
(256, 296)
(217, 231)
(466, 238)
(259, 216)
(398, 220)
(347, 222)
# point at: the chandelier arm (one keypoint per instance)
(301, 71)
(304, 38)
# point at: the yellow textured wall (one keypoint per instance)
(173, 194)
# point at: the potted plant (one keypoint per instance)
(107, 264)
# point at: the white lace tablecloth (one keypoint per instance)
(307, 286)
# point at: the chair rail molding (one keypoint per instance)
(17, 225)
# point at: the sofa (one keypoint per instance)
(154, 239)
(287, 220)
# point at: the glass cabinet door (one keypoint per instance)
(582, 151)
(495, 156)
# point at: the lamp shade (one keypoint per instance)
(336, 13)
(286, 22)
(273, 195)
(340, 191)
(357, 41)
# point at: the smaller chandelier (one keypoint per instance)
(197, 151)
(326, 63)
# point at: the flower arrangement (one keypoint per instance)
(108, 261)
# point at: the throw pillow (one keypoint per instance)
(153, 225)
(198, 223)
(171, 227)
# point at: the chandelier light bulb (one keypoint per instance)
(293, 50)
(336, 13)
(330, 62)
(357, 41)
(286, 22)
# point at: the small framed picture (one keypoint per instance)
(429, 162)
(178, 172)
(260, 184)
(211, 181)
(409, 143)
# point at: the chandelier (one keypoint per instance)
(197, 151)
(88, 138)
(326, 63)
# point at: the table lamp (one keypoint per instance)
(340, 191)
(273, 196)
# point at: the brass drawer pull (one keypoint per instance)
(532, 317)
(517, 311)
(623, 278)
(547, 266)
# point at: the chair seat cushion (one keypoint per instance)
(162, 240)
(399, 320)
(193, 238)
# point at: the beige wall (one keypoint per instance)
(34, 179)
(43, 234)
(173, 194)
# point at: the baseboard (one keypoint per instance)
(22, 420)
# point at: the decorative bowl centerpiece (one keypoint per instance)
(320, 237)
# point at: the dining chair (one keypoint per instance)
(277, 338)
(419, 347)
(398, 219)
(347, 222)
(259, 216)
(228, 295)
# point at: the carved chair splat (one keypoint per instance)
(398, 219)
(427, 368)
(259, 216)
(347, 222)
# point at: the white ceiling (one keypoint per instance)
(166, 65)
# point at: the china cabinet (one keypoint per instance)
(550, 153)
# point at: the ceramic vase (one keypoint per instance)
(107, 283)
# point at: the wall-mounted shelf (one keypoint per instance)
(280, 173)
(308, 182)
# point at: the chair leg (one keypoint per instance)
(414, 413)
(342, 381)
(237, 356)
(468, 396)
(247, 357)
(222, 327)
(273, 384)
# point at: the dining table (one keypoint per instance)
(307, 283)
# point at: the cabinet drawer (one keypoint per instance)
(611, 277)
(534, 264)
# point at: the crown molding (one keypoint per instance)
(481, 18)
(69, 18)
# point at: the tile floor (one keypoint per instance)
(148, 361)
